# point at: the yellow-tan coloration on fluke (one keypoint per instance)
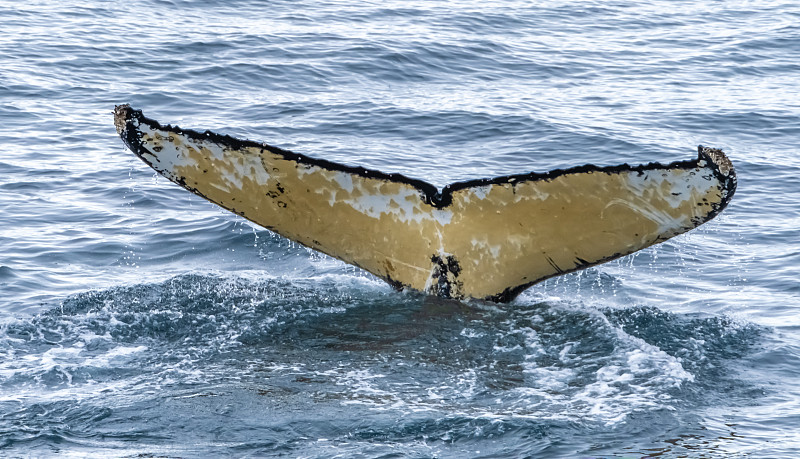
(486, 239)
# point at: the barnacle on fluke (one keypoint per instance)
(488, 239)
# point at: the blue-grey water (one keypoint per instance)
(138, 320)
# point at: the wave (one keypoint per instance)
(337, 342)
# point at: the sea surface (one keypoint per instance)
(138, 320)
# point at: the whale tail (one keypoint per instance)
(486, 239)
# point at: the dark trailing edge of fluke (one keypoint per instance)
(429, 193)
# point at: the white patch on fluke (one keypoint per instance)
(675, 188)
(481, 192)
(443, 217)
(682, 184)
(232, 166)
(170, 157)
(344, 180)
(666, 223)
(483, 244)
(405, 205)
(531, 192)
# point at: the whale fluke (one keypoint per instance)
(486, 239)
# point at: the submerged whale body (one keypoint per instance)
(486, 239)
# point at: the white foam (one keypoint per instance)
(114, 356)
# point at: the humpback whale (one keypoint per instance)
(487, 239)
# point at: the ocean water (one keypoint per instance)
(138, 320)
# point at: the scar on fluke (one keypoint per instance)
(486, 239)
